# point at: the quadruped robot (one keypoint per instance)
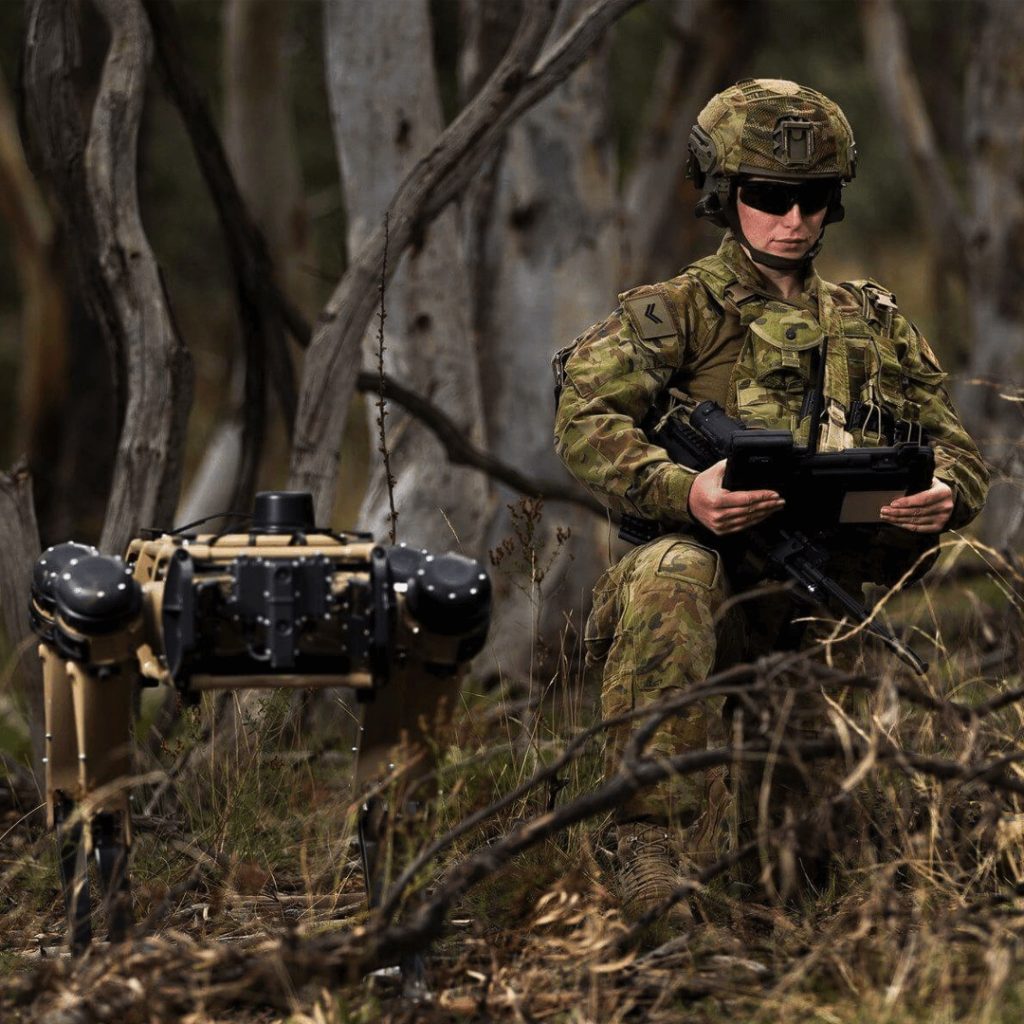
(280, 603)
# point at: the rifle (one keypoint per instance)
(780, 549)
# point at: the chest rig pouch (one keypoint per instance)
(774, 371)
(866, 402)
(881, 412)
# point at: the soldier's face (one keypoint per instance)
(790, 234)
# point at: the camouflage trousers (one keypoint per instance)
(663, 619)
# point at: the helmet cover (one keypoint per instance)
(772, 128)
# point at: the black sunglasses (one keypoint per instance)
(779, 197)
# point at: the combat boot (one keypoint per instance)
(647, 873)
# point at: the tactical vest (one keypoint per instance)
(864, 402)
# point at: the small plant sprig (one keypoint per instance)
(525, 550)
(382, 412)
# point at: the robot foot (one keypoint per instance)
(110, 849)
(74, 879)
(111, 852)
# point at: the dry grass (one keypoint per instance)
(248, 868)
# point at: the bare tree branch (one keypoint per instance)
(739, 682)
(730, 683)
(885, 42)
(260, 301)
(427, 920)
(464, 453)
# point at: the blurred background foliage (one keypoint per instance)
(818, 43)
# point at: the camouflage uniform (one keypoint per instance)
(663, 617)
(719, 331)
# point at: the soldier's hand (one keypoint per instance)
(926, 512)
(723, 511)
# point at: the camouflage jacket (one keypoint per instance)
(718, 332)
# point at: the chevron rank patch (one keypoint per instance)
(649, 315)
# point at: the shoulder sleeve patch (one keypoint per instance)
(927, 355)
(649, 314)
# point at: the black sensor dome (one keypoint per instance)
(283, 512)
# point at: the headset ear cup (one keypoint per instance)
(835, 206)
(836, 213)
(693, 171)
(709, 206)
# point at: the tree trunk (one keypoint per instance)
(19, 548)
(550, 270)
(261, 146)
(708, 46)
(212, 487)
(147, 473)
(995, 112)
(940, 209)
(260, 136)
(42, 385)
(120, 278)
(386, 113)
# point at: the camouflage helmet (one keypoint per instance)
(770, 128)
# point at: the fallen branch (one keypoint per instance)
(730, 683)
(735, 683)
(268, 970)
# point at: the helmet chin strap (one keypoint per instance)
(769, 259)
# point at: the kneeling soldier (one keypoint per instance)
(755, 329)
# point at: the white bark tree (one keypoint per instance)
(549, 270)
(386, 114)
(995, 259)
(978, 237)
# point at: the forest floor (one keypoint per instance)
(246, 875)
